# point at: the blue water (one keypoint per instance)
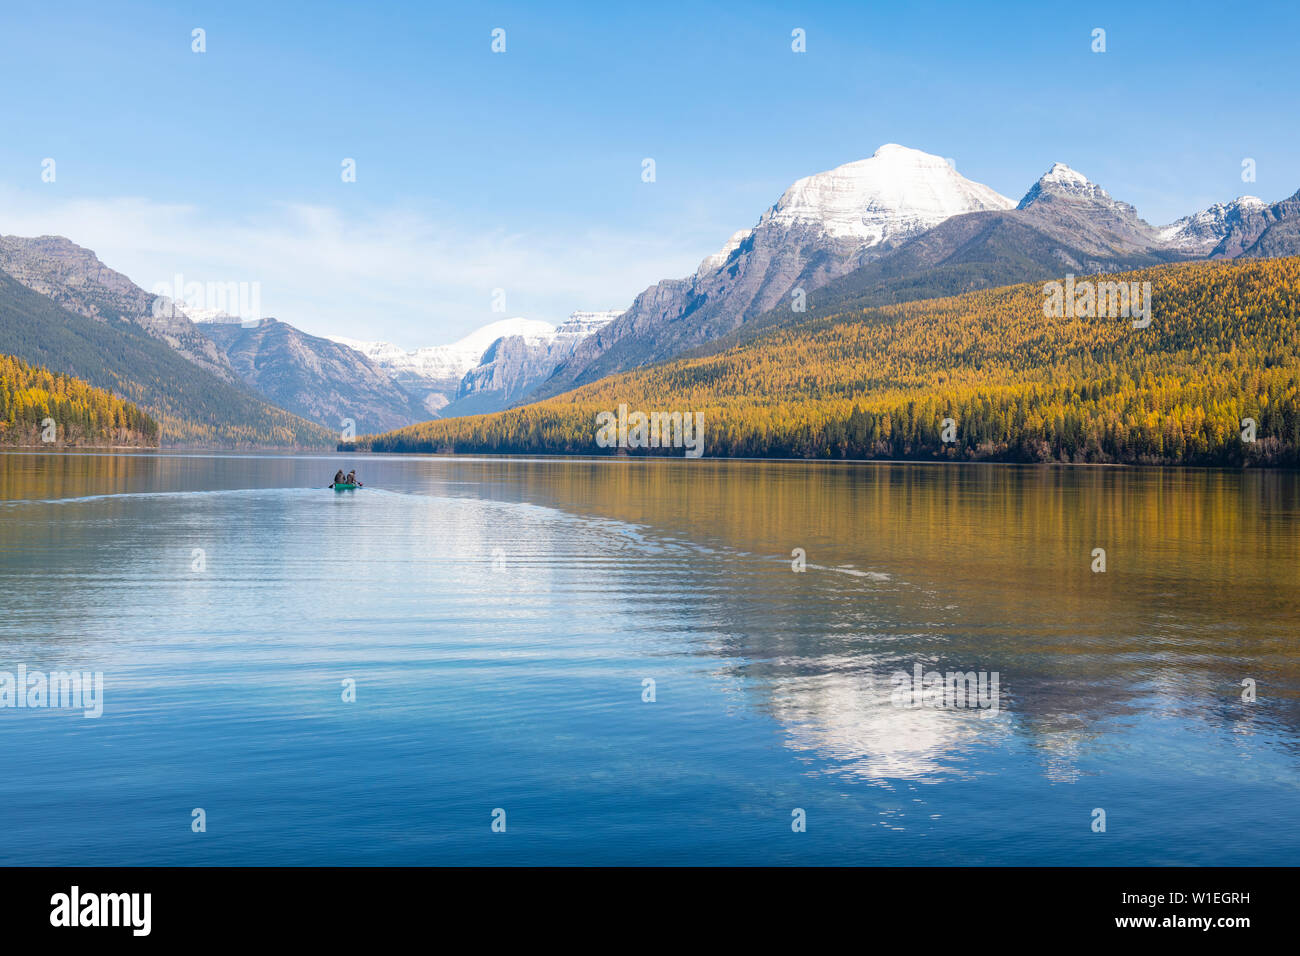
(499, 619)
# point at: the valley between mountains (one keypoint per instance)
(866, 305)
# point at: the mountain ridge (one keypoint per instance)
(1063, 223)
(821, 227)
(78, 280)
(322, 380)
(192, 405)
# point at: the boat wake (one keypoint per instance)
(135, 495)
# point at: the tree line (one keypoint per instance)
(1213, 380)
(37, 404)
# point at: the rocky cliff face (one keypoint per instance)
(321, 380)
(1198, 234)
(1281, 237)
(1271, 231)
(905, 224)
(1244, 227)
(432, 375)
(1065, 223)
(515, 365)
(75, 278)
(1065, 204)
(822, 227)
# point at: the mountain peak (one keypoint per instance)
(896, 193)
(1201, 232)
(895, 151)
(1062, 173)
(1063, 182)
(478, 340)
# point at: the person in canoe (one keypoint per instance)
(343, 482)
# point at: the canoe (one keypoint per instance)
(343, 487)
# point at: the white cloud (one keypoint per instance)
(386, 274)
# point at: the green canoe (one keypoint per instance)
(344, 487)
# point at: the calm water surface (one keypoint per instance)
(500, 619)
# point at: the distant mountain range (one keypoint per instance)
(434, 375)
(163, 371)
(904, 225)
(1244, 227)
(822, 227)
(380, 386)
(898, 226)
(238, 383)
(319, 379)
(514, 365)
(1214, 380)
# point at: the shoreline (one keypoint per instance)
(276, 452)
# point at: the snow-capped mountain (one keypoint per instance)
(1247, 226)
(1202, 231)
(1065, 223)
(900, 225)
(442, 360)
(378, 385)
(1067, 183)
(715, 261)
(203, 316)
(432, 374)
(897, 193)
(822, 227)
(435, 374)
(1077, 211)
(514, 365)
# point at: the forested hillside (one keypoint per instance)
(70, 412)
(1223, 346)
(191, 405)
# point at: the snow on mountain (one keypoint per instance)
(207, 316)
(433, 373)
(1079, 213)
(822, 227)
(514, 365)
(715, 261)
(1062, 182)
(584, 323)
(1065, 182)
(897, 192)
(442, 361)
(1202, 231)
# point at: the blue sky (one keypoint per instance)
(522, 171)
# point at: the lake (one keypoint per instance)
(632, 661)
